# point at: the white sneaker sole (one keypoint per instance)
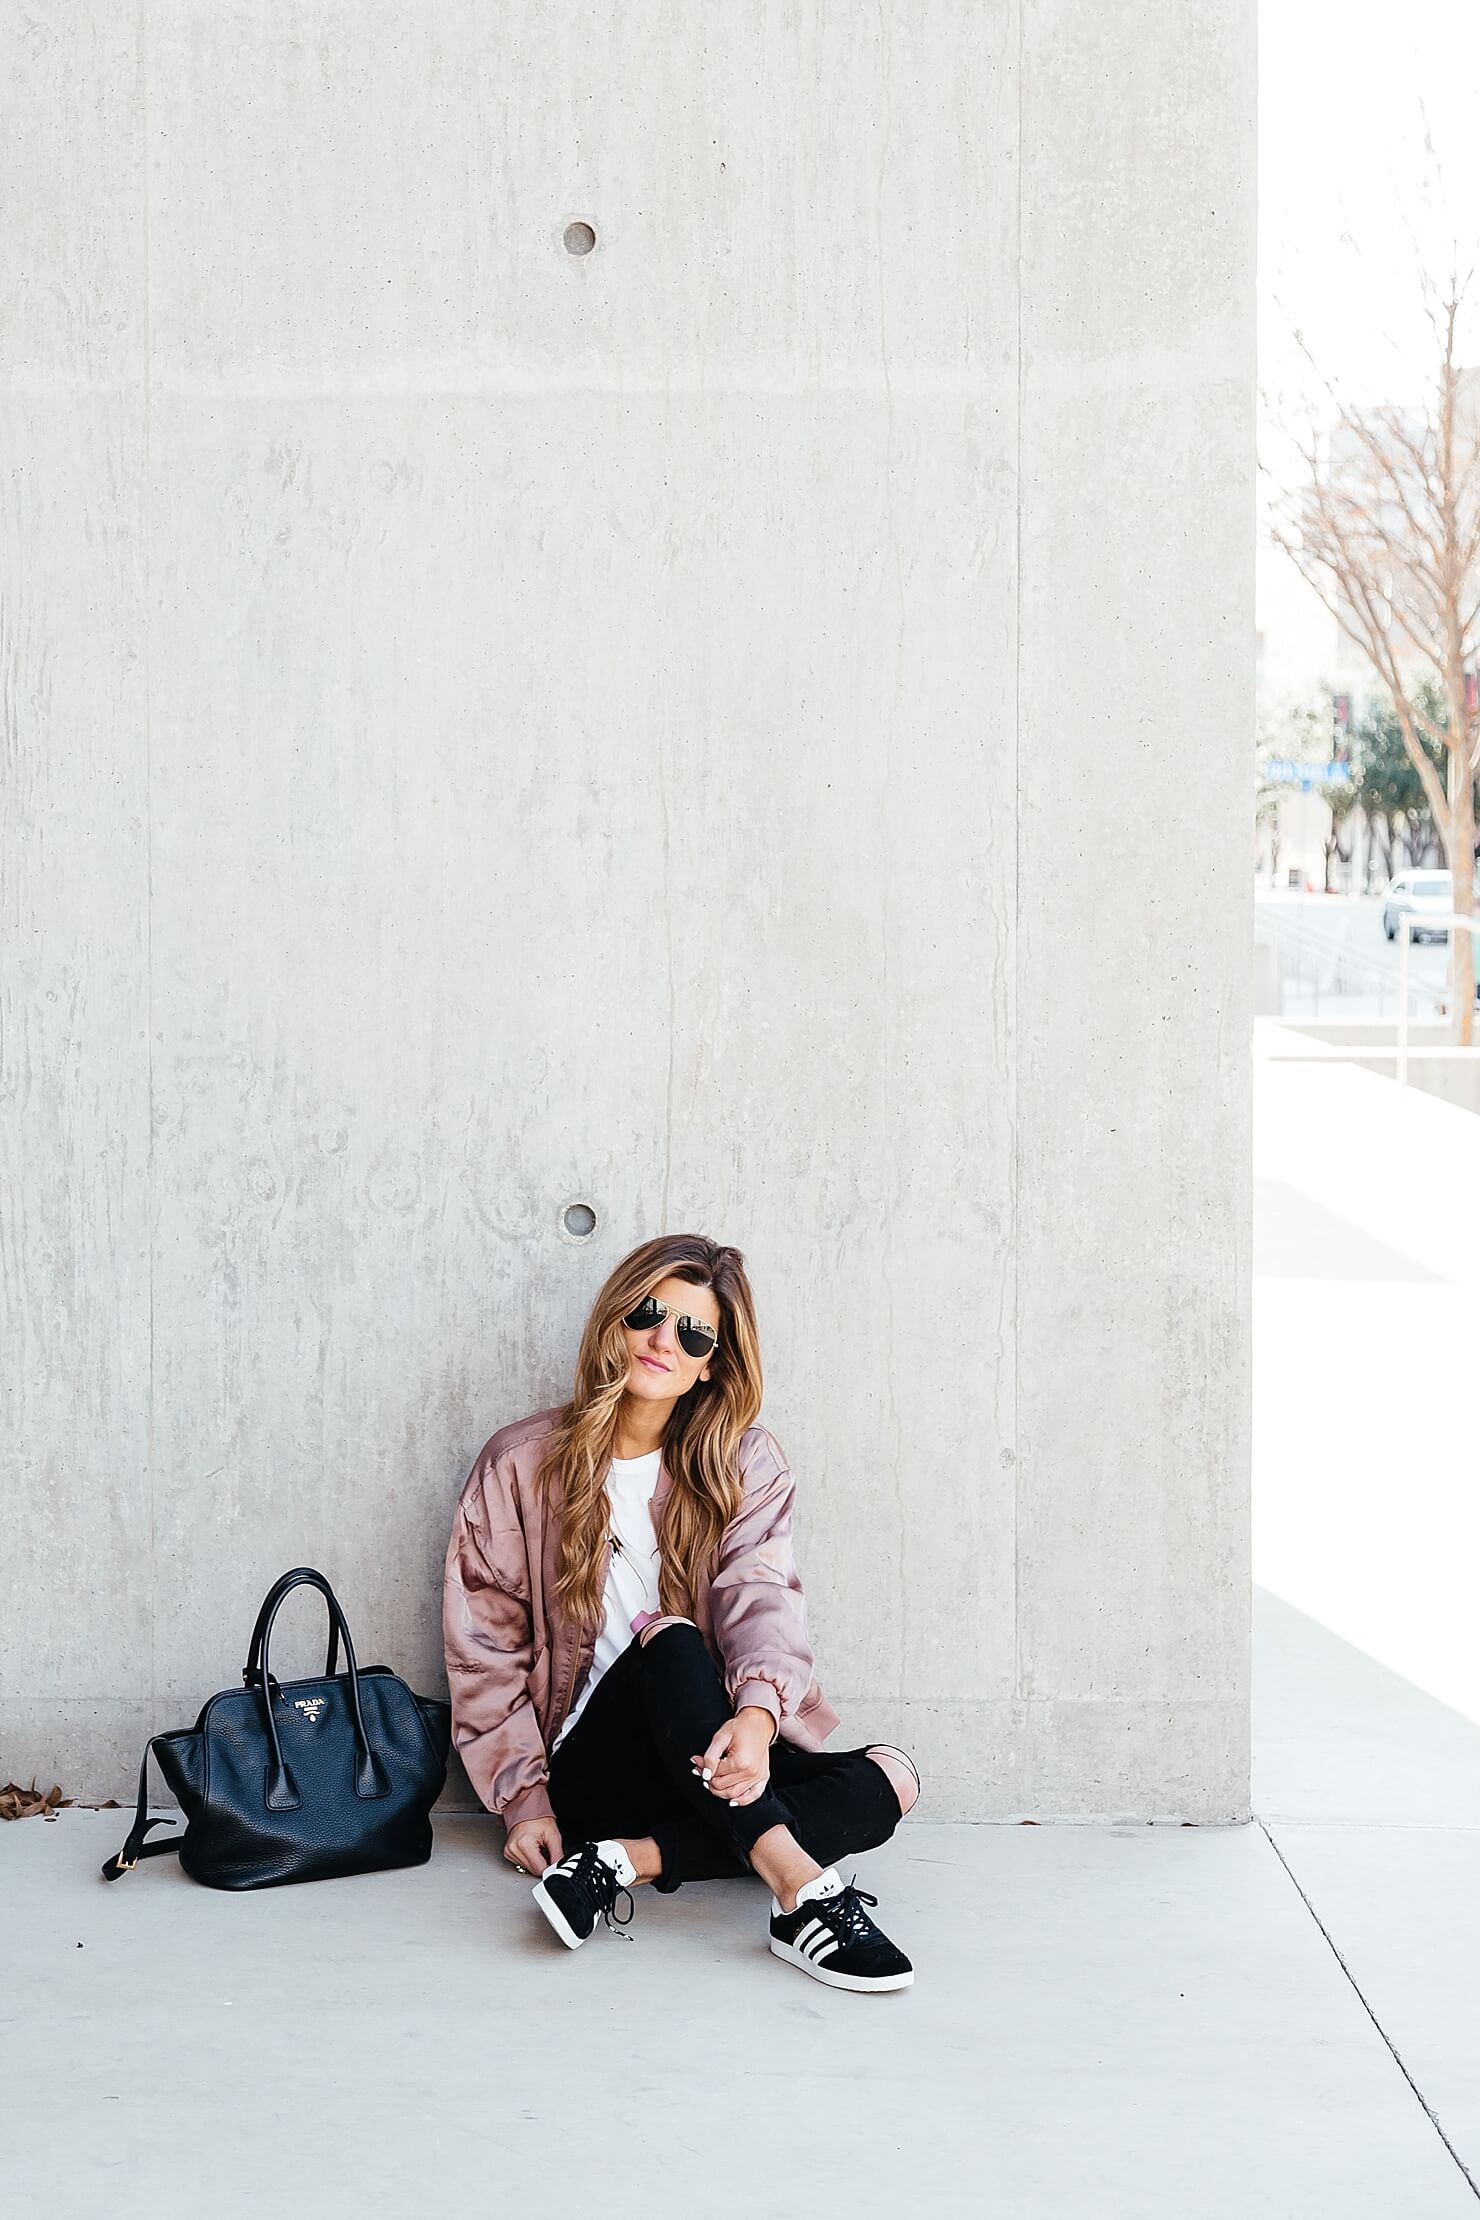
(556, 1917)
(795, 1957)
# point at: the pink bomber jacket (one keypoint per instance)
(516, 1662)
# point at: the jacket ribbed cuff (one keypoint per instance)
(763, 1696)
(530, 1803)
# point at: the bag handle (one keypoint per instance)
(274, 1595)
(370, 1776)
(124, 1860)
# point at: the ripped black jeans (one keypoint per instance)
(624, 1770)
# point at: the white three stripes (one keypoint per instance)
(816, 1941)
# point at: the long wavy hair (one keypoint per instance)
(700, 1445)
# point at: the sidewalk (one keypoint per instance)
(1113, 2021)
(1366, 1358)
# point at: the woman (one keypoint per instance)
(632, 1685)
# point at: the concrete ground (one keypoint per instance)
(1110, 2020)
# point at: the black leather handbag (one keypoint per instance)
(300, 1780)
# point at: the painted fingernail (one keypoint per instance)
(709, 1773)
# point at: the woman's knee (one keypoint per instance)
(667, 1625)
(672, 1648)
(900, 1770)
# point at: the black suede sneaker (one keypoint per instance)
(831, 1936)
(583, 1888)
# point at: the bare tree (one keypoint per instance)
(1267, 819)
(1384, 523)
(1344, 818)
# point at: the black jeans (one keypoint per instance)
(624, 1770)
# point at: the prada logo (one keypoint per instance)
(310, 1706)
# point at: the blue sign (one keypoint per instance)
(1285, 770)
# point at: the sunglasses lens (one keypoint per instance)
(691, 1338)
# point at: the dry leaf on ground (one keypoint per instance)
(24, 1803)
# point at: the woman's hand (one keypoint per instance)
(532, 1845)
(739, 1757)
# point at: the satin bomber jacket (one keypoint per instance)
(516, 1662)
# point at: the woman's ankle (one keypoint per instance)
(780, 1860)
(644, 1856)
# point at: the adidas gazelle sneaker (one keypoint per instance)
(831, 1937)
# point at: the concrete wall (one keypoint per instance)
(486, 729)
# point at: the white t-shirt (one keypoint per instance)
(632, 1572)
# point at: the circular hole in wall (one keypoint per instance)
(579, 238)
(578, 1221)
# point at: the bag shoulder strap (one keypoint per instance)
(124, 1860)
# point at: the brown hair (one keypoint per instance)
(703, 1434)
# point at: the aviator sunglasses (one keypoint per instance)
(694, 1337)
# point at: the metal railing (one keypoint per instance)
(1407, 923)
(1339, 960)
(1316, 966)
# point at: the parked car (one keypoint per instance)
(1418, 894)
